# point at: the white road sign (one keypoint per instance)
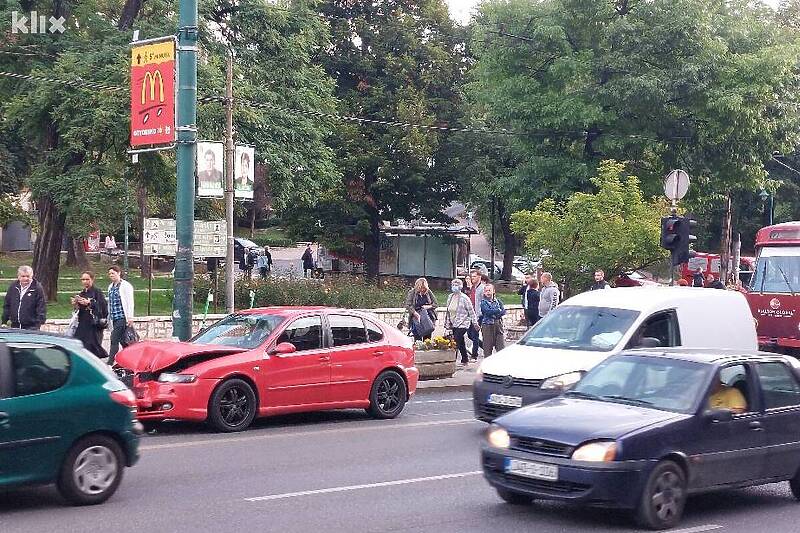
(160, 237)
(676, 184)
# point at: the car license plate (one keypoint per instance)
(502, 399)
(519, 467)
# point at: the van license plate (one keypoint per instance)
(502, 399)
(531, 469)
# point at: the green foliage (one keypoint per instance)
(614, 229)
(708, 86)
(11, 211)
(340, 291)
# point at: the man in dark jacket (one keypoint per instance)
(25, 305)
(308, 262)
(600, 282)
(713, 283)
(530, 298)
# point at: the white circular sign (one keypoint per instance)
(676, 184)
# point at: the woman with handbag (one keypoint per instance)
(421, 306)
(92, 317)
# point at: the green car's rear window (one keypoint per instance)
(38, 369)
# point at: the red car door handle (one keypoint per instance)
(324, 358)
(376, 353)
(756, 426)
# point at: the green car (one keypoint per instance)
(64, 418)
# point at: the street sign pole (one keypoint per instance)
(229, 155)
(186, 158)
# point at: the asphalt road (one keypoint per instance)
(343, 472)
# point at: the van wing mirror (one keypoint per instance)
(283, 348)
(648, 342)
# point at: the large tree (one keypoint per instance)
(391, 61)
(708, 86)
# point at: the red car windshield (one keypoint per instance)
(240, 331)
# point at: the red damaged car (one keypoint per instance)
(270, 361)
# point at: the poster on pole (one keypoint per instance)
(210, 178)
(244, 172)
(153, 94)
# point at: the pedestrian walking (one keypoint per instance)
(25, 306)
(264, 263)
(548, 295)
(120, 309)
(308, 262)
(92, 309)
(421, 301)
(599, 281)
(530, 299)
(460, 317)
(713, 283)
(477, 282)
(492, 312)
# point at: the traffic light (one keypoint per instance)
(676, 237)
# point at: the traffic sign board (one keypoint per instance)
(160, 237)
(676, 184)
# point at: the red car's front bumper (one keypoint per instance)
(184, 401)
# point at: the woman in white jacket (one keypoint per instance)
(120, 309)
(460, 317)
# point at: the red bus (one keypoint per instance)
(774, 290)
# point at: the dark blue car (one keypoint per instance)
(644, 430)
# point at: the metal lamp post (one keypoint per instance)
(769, 206)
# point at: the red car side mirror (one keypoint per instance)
(283, 348)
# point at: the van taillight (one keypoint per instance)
(124, 397)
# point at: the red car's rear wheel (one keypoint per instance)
(232, 406)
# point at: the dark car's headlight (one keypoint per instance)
(168, 377)
(498, 437)
(602, 451)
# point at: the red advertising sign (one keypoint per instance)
(153, 93)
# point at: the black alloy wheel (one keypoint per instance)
(232, 407)
(664, 497)
(388, 396)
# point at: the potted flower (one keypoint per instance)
(435, 358)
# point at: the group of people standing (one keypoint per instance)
(539, 296)
(473, 312)
(25, 307)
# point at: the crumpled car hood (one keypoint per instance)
(149, 356)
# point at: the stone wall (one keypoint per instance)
(160, 327)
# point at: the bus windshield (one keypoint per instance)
(777, 270)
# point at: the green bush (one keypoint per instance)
(350, 292)
(278, 242)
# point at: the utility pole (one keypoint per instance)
(186, 155)
(230, 154)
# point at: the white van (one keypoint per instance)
(586, 329)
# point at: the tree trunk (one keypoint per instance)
(372, 248)
(252, 221)
(81, 261)
(71, 260)
(129, 13)
(47, 251)
(509, 240)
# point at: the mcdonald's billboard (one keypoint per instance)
(153, 93)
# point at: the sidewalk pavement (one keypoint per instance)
(461, 380)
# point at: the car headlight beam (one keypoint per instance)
(498, 437)
(596, 452)
(564, 381)
(169, 377)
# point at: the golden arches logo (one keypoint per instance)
(152, 76)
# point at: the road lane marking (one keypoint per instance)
(698, 529)
(361, 487)
(372, 427)
(424, 415)
(441, 401)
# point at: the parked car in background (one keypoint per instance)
(478, 262)
(65, 418)
(273, 360)
(634, 279)
(645, 429)
(590, 327)
(241, 244)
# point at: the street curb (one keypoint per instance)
(430, 389)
